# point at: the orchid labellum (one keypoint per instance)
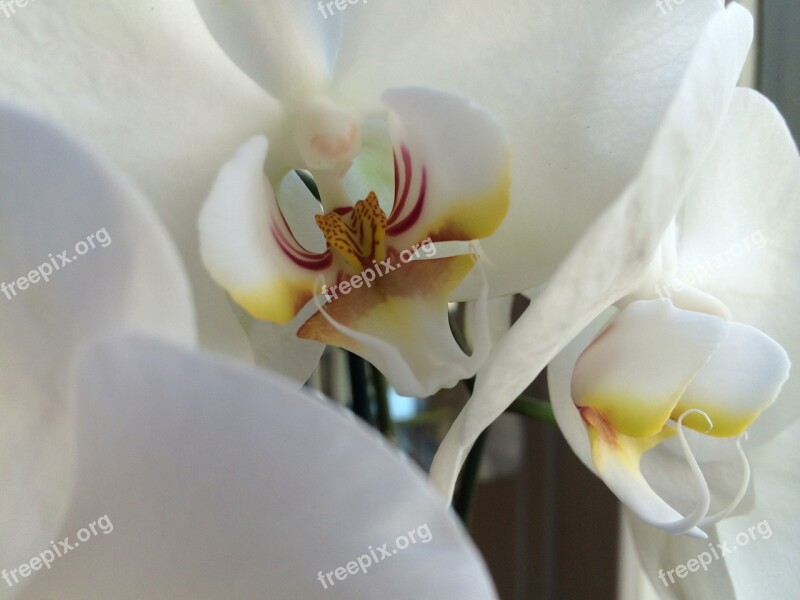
(652, 372)
(448, 162)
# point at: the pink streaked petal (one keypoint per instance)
(248, 246)
(451, 168)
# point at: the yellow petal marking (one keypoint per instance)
(358, 236)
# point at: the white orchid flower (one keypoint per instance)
(745, 257)
(653, 371)
(387, 296)
(734, 234)
(614, 256)
(171, 92)
(134, 466)
(718, 374)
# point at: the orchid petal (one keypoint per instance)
(499, 312)
(400, 324)
(618, 463)
(581, 87)
(743, 377)
(636, 371)
(652, 362)
(765, 566)
(452, 171)
(286, 47)
(659, 551)
(222, 482)
(247, 245)
(149, 85)
(56, 193)
(738, 235)
(278, 348)
(608, 262)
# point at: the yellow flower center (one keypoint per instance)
(358, 235)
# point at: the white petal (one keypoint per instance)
(765, 567)
(581, 87)
(400, 324)
(743, 377)
(452, 167)
(149, 85)
(739, 234)
(619, 470)
(247, 245)
(287, 47)
(618, 248)
(278, 348)
(54, 195)
(223, 482)
(763, 563)
(635, 372)
(660, 551)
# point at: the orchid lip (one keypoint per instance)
(358, 233)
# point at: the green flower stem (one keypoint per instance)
(432, 417)
(533, 408)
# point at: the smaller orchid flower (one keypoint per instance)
(654, 370)
(614, 256)
(446, 163)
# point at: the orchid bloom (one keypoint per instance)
(614, 256)
(652, 371)
(135, 466)
(170, 91)
(734, 251)
(387, 294)
(657, 405)
(689, 362)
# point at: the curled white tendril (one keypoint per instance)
(711, 519)
(702, 493)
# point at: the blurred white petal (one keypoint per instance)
(148, 84)
(225, 482)
(55, 193)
